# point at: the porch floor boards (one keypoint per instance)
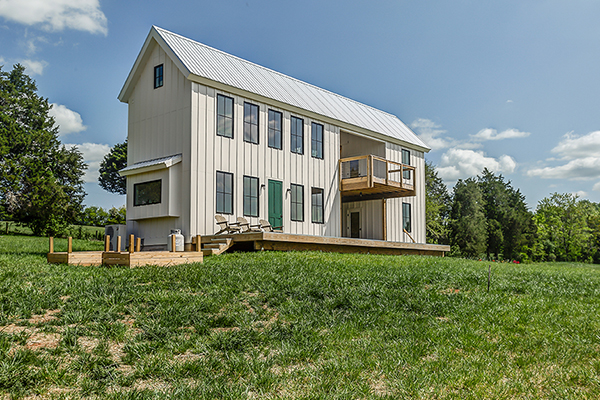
(287, 242)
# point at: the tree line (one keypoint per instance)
(486, 217)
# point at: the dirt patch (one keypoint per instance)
(12, 329)
(41, 340)
(42, 319)
(87, 343)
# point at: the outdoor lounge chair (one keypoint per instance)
(225, 226)
(246, 227)
(266, 226)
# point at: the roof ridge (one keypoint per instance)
(276, 72)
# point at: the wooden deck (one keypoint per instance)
(137, 259)
(287, 242)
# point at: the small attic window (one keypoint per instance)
(158, 76)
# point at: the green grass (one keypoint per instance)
(297, 325)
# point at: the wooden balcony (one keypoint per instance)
(371, 177)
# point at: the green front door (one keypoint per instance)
(275, 203)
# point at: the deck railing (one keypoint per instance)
(374, 174)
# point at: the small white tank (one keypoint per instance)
(178, 240)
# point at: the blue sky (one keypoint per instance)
(508, 85)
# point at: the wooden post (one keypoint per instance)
(131, 244)
(198, 243)
(107, 243)
(118, 249)
(70, 245)
(51, 245)
(173, 243)
(384, 205)
(138, 244)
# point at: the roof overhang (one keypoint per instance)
(151, 165)
(153, 39)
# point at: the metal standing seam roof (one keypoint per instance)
(151, 165)
(216, 65)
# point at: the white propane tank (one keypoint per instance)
(178, 240)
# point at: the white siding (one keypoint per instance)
(371, 218)
(216, 153)
(394, 206)
(158, 126)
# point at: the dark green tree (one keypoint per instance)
(509, 222)
(467, 219)
(114, 161)
(437, 206)
(41, 181)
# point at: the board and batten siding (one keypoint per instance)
(214, 153)
(395, 232)
(158, 126)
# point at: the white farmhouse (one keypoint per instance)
(212, 134)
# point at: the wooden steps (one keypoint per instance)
(216, 246)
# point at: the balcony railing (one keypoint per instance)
(371, 177)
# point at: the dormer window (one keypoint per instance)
(158, 76)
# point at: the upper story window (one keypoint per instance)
(297, 202)
(275, 118)
(250, 196)
(317, 206)
(316, 140)
(297, 134)
(158, 76)
(406, 220)
(147, 193)
(250, 123)
(406, 161)
(224, 116)
(224, 193)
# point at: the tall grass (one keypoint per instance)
(297, 325)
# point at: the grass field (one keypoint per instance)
(296, 325)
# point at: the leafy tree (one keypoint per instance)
(41, 181)
(116, 215)
(437, 206)
(467, 219)
(114, 161)
(509, 223)
(94, 216)
(562, 226)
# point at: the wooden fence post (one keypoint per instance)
(138, 244)
(131, 244)
(118, 249)
(107, 243)
(51, 245)
(70, 245)
(172, 243)
(198, 243)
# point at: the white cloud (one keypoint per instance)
(580, 193)
(93, 153)
(573, 146)
(68, 121)
(429, 132)
(492, 134)
(596, 187)
(462, 163)
(57, 15)
(581, 168)
(509, 101)
(34, 67)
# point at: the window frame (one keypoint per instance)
(314, 141)
(250, 124)
(224, 193)
(294, 136)
(224, 116)
(315, 207)
(406, 157)
(161, 76)
(249, 196)
(406, 217)
(136, 187)
(278, 132)
(298, 203)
